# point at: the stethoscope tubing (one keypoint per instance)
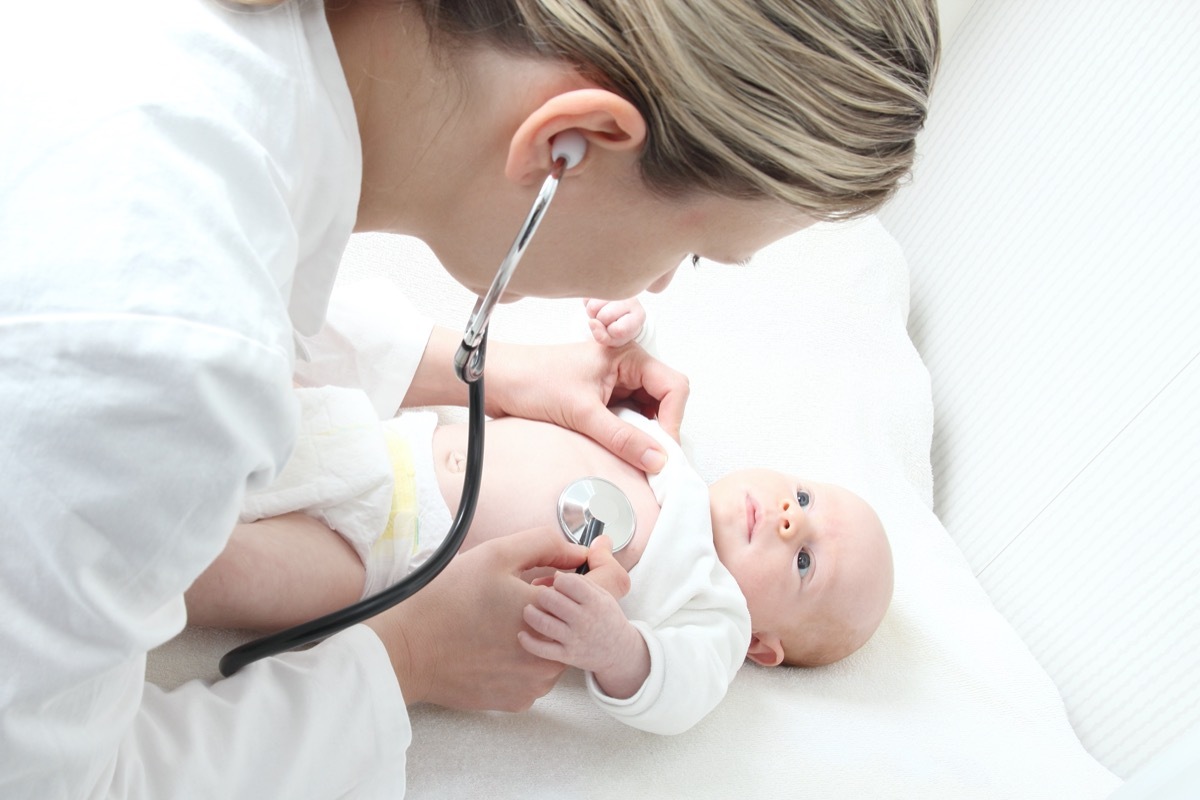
(469, 362)
(324, 627)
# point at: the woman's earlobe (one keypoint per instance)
(765, 650)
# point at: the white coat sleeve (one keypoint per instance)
(145, 383)
(125, 444)
(685, 604)
(373, 339)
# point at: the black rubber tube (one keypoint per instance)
(324, 627)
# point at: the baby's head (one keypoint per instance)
(812, 560)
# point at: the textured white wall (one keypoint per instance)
(1052, 228)
(951, 13)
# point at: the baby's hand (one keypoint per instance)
(582, 625)
(615, 323)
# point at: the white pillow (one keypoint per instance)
(800, 362)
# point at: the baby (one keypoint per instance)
(759, 565)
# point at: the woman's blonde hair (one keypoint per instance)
(815, 103)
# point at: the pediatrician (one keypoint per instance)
(178, 179)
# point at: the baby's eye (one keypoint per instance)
(802, 498)
(803, 562)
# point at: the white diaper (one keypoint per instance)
(370, 481)
(417, 519)
(338, 471)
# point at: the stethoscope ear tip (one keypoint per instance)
(569, 146)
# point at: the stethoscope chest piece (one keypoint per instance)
(590, 499)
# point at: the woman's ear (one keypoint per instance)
(765, 650)
(606, 120)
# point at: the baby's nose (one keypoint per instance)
(791, 516)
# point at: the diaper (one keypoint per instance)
(417, 517)
(372, 482)
(338, 471)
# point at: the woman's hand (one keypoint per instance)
(454, 643)
(572, 385)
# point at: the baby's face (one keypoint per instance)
(811, 558)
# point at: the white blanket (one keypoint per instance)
(801, 362)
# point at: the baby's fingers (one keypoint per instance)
(542, 648)
(575, 589)
(545, 624)
(593, 306)
(624, 330)
(600, 333)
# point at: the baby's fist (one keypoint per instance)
(615, 323)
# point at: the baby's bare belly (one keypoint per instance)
(526, 465)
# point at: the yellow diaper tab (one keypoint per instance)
(402, 535)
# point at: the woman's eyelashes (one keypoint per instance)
(737, 262)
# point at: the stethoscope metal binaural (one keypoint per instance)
(586, 507)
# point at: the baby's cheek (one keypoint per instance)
(761, 593)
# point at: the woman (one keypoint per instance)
(179, 181)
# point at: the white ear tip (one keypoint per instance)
(570, 145)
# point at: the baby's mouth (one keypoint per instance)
(751, 517)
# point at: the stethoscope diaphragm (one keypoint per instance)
(590, 499)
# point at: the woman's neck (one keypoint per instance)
(404, 100)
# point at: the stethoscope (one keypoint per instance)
(586, 507)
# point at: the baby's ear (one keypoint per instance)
(765, 650)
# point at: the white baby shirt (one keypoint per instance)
(684, 602)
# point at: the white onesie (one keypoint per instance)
(683, 601)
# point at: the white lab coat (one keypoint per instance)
(176, 181)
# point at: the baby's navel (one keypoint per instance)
(456, 461)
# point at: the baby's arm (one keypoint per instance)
(584, 627)
(274, 573)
